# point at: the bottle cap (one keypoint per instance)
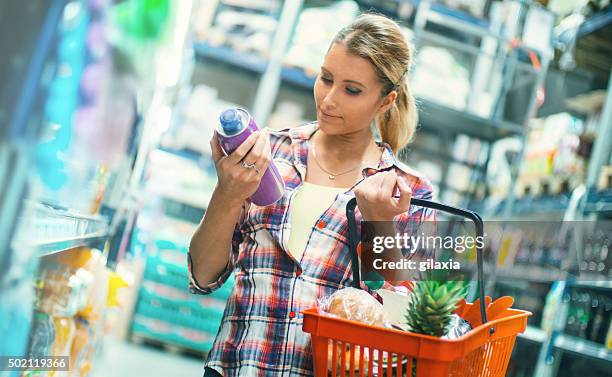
(231, 121)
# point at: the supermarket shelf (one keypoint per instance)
(542, 204)
(531, 273)
(297, 77)
(583, 347)
(595, 22)
(181, 177)
(599, 202)
(533, 334)
(543, 274)
(603, 284)
(186, 154)
(228, 55)
(445, 119)
(436, 7)
(254, 5)
(529, 205)
(49, 230)
(442, 155)
(198, 200)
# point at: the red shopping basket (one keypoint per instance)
(350, 348)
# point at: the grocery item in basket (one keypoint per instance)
(432, 304)
(355, 304)
(347, 358)
(456, 327)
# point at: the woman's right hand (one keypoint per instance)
(237, 183)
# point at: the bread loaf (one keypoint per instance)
(357, 305)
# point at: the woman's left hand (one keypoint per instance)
(375, 198)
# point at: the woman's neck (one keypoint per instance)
(340, 149)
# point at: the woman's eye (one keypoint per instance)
(326, 80)
(353, 91)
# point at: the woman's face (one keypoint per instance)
(347, 93)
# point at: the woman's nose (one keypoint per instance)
(329, 102)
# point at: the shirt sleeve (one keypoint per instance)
(237, 237)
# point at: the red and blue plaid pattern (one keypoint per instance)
(261, 331)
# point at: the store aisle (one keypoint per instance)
(123, 359)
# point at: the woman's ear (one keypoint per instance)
(387, 102)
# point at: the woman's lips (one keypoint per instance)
(328, 116)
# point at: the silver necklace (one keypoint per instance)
(331, 176)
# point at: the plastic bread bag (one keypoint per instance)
(355, 305)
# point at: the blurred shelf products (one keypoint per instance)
(589, 315)
(243, 26)
(166, 312)
(310, 43)
(75, 292)
(100, 246)
(50, 230)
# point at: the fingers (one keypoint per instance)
(387, 183)
(369, 188)
(243, 149)
(259, 155)
(215, 148)
(405, 194)
(266, 158)
(377, 194)
(254, 155)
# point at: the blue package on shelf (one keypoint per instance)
(15, 321)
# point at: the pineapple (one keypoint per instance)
(431, 306)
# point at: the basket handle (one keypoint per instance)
(475, 217)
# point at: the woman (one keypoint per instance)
(286, 255)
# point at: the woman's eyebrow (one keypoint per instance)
(326, 71)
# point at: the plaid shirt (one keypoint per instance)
(261, 331)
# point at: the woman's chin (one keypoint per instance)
(326, 123)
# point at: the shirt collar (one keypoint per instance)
(299, 140)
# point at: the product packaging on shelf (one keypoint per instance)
(15, 320)
(71, 300)
(309, 44)
(165, 311)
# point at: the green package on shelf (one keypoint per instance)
(177, 276)
(147, 332)
(191, 305)
(164, 244)
(206, 321)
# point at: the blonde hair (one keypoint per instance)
(380, 40)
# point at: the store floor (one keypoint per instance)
(124, 359)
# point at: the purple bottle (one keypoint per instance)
(235, 125)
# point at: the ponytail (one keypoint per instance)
(398, 124)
